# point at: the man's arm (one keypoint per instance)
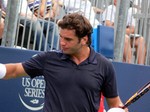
(43, 7)
(130, 30)
(1, 27)
(109, 23)
(55, 7)
(115, 102)
(3, 14)
(14, 71)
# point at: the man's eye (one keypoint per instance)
(68, 39)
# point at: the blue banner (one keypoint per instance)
(26, 95)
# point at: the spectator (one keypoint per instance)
(139, 44)
(1, 20)
(83, 7)
(37, 30)
(49, 28)
(1, 27)
(44, 8)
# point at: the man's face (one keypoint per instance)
(69, 42)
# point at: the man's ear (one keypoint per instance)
(84, 40)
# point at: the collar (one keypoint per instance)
(91, 59)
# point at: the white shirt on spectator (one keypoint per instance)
(23, 7)
(130, 18)
(110, 12)
(137, 2)
(3, 4)
(82, 6)
(35, 4)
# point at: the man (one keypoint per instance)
(130, 39)
(28, 18)
(75, 76)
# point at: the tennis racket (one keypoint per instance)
(137, 95)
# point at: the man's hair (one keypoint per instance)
(79, 24)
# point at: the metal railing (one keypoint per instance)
(16, 34)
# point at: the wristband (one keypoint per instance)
(2, 71)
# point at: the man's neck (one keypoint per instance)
(81, 56)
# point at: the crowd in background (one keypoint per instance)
(39, 23)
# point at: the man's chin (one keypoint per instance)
(65, 52)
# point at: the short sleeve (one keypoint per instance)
(110, 85)
(109, 13)
(35, 66)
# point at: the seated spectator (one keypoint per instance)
(37, 30)
(138, 41)
(1, 27)
(44, 8)
(2, 16)
(83, 7)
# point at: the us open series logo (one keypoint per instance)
(32, 96)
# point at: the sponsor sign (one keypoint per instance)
(32, 93)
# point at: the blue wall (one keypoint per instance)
(21, 94)
(130, 79)
(16, 95)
